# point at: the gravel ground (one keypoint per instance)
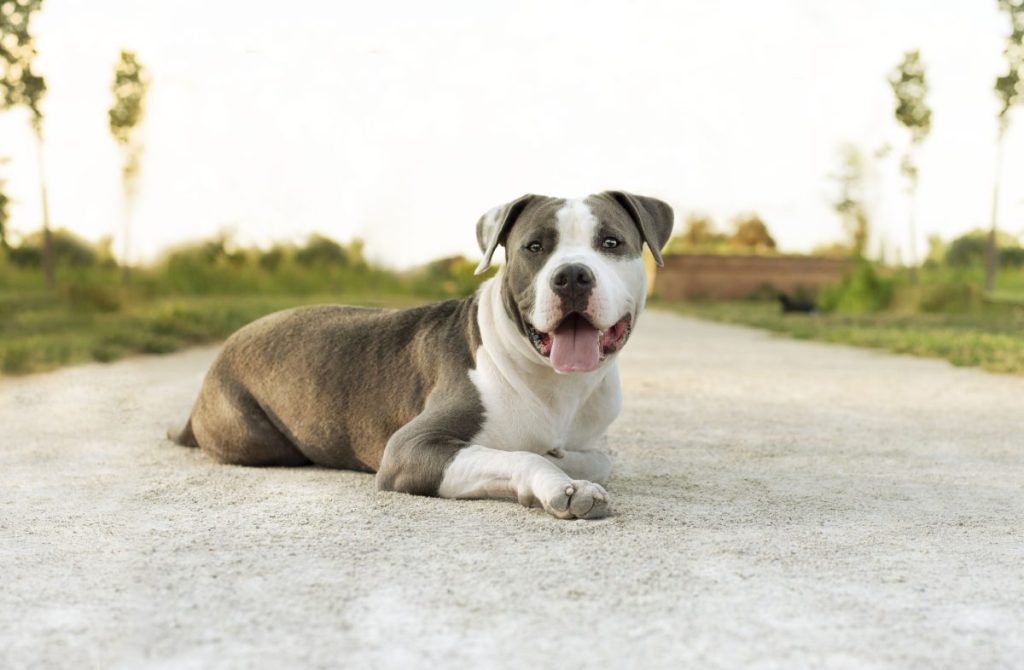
(778, 504)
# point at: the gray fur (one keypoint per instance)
(651, 216)
(492, 228)
(521, 266)
(346, 387)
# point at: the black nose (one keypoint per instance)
(572, 280)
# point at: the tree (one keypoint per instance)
(751, 233)
(1010, 91)
(849, 202)
(971, 249)
(129, 88)
(321, 251)
(21, 86)
(699, 234)
(910, 87)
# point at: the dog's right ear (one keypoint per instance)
(492, 228)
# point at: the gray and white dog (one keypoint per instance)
(505, 394)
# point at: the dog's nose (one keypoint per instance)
(572, 280)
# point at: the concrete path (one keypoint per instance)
(778, 504)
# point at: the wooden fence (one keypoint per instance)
(726, 277)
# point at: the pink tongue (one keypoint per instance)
(575, 346)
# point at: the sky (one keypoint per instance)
(402, 122)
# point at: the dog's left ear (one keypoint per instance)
(652, 216)
(492, 228)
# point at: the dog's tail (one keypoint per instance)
(184, 437)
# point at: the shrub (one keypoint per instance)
(1011, 257)
(946, 298)
(862, 291)
(320, 250)
(67, 248)
(92, 297)
(971, 248)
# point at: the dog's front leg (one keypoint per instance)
(430, 456)
(482, 472)
(590, 464)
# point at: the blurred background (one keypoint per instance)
(170, 171)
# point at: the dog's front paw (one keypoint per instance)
(577, 499)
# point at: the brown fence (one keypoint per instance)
(722, 277)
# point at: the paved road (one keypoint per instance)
(779, 504)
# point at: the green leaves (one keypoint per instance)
(19, 85)
(1009, 88)
(910, 87)
(129, 88)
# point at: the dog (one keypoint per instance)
(504, 394)
(796, 305)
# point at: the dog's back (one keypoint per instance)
(327, 384)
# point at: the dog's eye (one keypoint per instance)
(610, 243)
(533, 246)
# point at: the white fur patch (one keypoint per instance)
(620, 286)
(481, 472)
(527, 405)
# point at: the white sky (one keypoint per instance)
(402, 121)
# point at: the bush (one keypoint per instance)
(92, 297)
(971, 249)
(320, 250)
(1011, 257)
(68, 248)
(947, 298)
(860, 292)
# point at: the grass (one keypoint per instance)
(204, 291)
(40, 331)
(991, 338)
(197, 293)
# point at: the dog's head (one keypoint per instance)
(574, 280)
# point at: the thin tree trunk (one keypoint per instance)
(129, 185)
(992, 248)
(48, 259)
(126, 268)
(913, 232)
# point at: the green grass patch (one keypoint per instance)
(991, 338)
(41, 332)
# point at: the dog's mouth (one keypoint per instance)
(576, 345)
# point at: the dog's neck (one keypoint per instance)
(516, 359)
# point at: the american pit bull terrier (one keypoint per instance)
(504, 394)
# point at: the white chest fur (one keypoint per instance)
(527, 405)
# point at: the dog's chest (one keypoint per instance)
(519, 415)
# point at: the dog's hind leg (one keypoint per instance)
(183, 437)
(231, 426)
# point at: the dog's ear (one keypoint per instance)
(492, 228)
(652, 216)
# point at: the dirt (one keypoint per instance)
(777, 504)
